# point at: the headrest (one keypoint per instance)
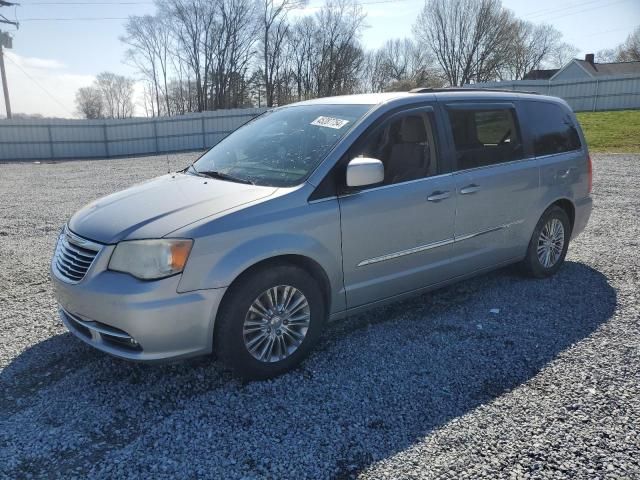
(412, 130)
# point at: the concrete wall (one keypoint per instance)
(67, 139)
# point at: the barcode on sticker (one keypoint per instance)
(330, 122)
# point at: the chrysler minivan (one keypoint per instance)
(317, 210)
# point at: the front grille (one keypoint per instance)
(74, 255)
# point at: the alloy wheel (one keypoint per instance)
(276, 324)
(550, 243)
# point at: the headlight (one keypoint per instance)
(151, 259)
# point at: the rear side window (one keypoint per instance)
(485, 137)
(553, 128)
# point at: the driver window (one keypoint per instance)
(405, 144)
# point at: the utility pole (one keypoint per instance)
(6, 42)
(3, 73)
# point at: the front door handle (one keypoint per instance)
(473, 188)
(438, 195)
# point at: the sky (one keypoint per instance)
(60, 47)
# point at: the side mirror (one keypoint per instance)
(364, 171)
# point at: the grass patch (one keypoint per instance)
(615, 131)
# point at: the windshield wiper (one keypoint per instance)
(224, 176)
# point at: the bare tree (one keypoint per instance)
(302, 51)
(531, 46)
(192, 26)
(232, 51)
(629, 51)
(400, 64)
(340, 56)
(606, 55)
(149, 40)
(470, 39)
(562, 54)
(274, 28)
(89, 102)
(117, 94)
(374, 75)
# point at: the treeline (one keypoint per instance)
(195, 55)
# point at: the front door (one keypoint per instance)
(398, 236)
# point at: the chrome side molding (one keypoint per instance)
(441, 243)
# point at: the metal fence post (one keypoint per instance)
(106, 139)
(204, 137)
(51, 153)
(155, 134)
(595, 97)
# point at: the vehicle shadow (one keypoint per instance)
(378, 383)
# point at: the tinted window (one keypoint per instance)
(485, 137)
(281, 147)
(553, 128)
(405, 144)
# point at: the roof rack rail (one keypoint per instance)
(470, 89)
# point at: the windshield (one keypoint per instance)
(281, 147)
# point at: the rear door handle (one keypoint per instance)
(438, 195)
(473, 188)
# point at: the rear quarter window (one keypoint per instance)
(553, 128)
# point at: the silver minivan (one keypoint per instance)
(316, 210)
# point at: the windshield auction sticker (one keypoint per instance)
(330, 122)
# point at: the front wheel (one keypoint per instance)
(269, 321)
(549, 243)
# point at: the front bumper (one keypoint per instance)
(107, 309)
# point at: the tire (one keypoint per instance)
(542, 266)
(240, 334)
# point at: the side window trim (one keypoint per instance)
(480, 105)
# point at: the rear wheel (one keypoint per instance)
(548, 244)
(269, 321)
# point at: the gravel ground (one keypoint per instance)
(434, 387)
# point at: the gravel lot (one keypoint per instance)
(435, 387)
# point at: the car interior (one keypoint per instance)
(484, 137)
(405, 146)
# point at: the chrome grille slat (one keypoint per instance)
(75, 260)
(77, 251)
(69, 267)
(74, 256)
(69, 273)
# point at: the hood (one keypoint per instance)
(157, 207)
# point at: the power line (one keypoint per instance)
(89, 3)
(88, 19)
(581, 10)
(594, 34)
(39, 86)
(546, 11)
(71, 19)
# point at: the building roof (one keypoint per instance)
(595, 69)
(616, 68)
(539, 74)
